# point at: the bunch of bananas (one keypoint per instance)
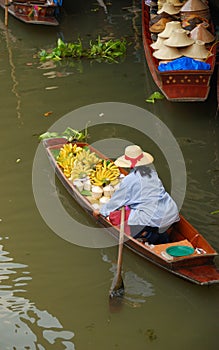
(104, 172)
(69, 150)
(67, 165)
(79, 171)
(76, 161)
(85, 160)
(67, 156)
(86, 157)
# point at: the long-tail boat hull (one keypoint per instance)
(198, 267)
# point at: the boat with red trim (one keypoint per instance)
(188, 255)
(177, 85)
(34, 11)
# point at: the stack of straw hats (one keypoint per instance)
(170, 27)
(165, 34)
(179, 38)
(167, 53)
(170, 49)
(174, 41)
(167, 13)
(179, 44)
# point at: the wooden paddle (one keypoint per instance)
(117, 288)
(6, 12)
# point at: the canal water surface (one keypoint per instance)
(54, 288)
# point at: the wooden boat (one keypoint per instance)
(199, 267)
(180, 85)
(217, 89)
(217, 63)
(33, 11)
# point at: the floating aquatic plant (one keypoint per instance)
(108, 51)
(63, 50)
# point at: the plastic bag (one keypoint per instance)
(184, 63)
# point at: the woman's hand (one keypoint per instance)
(96, 213)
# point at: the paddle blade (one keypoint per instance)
(117, 288)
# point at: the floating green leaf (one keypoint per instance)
(215, 212)
(155, 96)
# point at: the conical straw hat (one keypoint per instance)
(179, 38)
(196, 50)
(170, 26)
(168, 8)
(194, 5)
(201, 33)
(158, 44)
(167, 53)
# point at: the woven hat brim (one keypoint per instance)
(163, 54)
(124, 163)
(173, 11)
(158, 44)
(174, 43)
(196, 53)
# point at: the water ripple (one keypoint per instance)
(137, 289)
(22, 324)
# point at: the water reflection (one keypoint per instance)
(23, 325)
(137, 290)
(10, 40)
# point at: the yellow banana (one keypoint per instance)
(112, 165)
(113, 177)
(96, 182)
(99, 174)
(104, 166)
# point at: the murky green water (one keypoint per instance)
(54, 294)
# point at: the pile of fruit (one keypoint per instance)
(104, 172)
(67, 157)
(93, 176)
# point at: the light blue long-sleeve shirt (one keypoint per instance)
(150, 204)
